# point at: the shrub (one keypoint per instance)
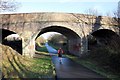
(106, 56)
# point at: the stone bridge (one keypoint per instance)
(76, 27)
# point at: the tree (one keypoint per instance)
(8, 5)
(40, 41)
(57, 39)
(117, 16)
(89, 19)
(93, 18)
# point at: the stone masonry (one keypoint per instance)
(76, 27)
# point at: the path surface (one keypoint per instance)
(70, 69)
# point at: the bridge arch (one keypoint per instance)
(103, 27)
(11, 39)
(74, 40)
(70, 34)
(105, 36)
(103, 32)
(5, 33)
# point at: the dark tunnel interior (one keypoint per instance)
(14, 44)
(106, 36)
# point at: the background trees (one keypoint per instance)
(57, 39)
(117, 16)
(40, 41)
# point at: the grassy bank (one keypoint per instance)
(15, 65)
(41, 48)
(93, 65)
(41, 51)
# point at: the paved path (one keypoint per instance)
(70, 69)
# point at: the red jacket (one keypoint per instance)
(60, 50)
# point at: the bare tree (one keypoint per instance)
(92, 17)
(117, 16)
(91, 14)
(8, 5)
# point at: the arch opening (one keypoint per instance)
(104, 37)
(104, 33)
(11, 39)
(65, 31)
(73, 39)
(54, 39)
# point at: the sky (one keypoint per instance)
(66, 6)
(48, 34)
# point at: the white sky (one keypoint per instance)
(68, 0)
(48, 34)
(14, 35)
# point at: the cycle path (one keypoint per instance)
(70, 69)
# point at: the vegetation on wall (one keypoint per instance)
(106, 53)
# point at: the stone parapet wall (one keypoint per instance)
(51, 16)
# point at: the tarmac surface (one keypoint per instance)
(69, 69)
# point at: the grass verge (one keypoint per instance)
(41, 49)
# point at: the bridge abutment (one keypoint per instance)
(84, 45)
(29, 48)
(78, 46)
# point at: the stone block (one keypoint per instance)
(16, 18)
(31, 17)
(6, 18)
